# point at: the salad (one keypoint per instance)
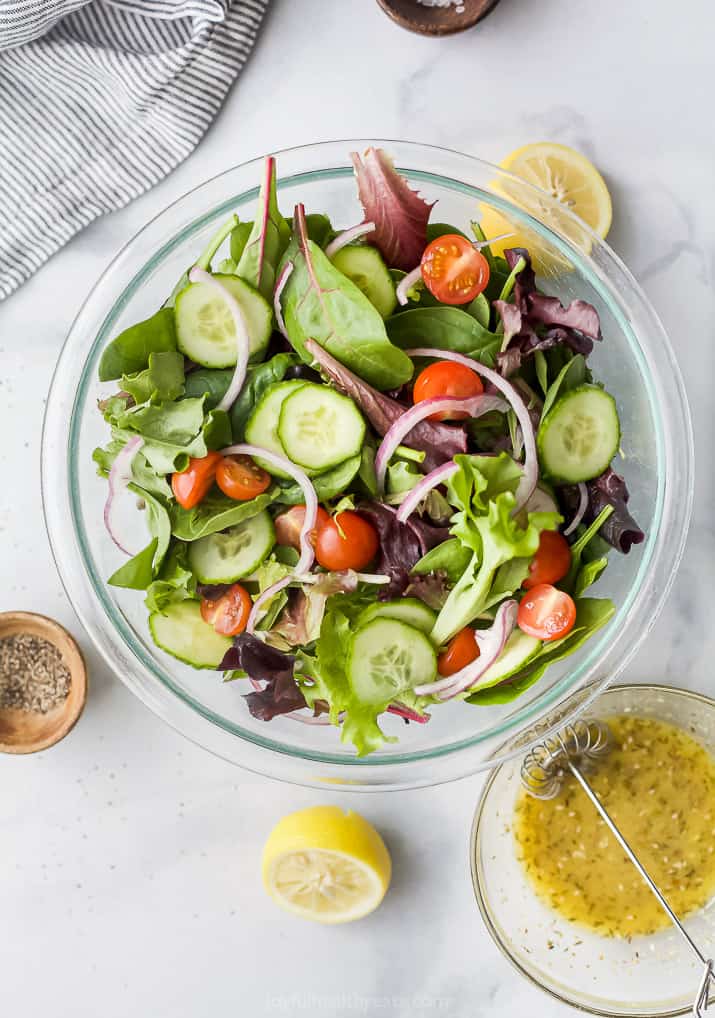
(374, 464)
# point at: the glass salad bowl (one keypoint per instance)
(634, 361)
(654, 975)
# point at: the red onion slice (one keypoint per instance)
(120, 475)
(347, 237)
(280, 287)
(580, 511)
(406, 712)
(406, 284)
(473, 406)
(490, 642)
(531, 462)
(423, 488)
(307, 553)
(308, 719)
(243, 341)
(479, 244)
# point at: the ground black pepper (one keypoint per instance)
(33, 676)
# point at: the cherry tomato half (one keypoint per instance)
(551, 562)
(290, 524)
(546, 613)
(240, 478)
(347, 541)
(445, 378)
(229, 613)
(453, 270)
(461, 650)
(191, 485)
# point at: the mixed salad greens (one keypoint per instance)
(374, 464)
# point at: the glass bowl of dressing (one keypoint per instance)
(560, 898)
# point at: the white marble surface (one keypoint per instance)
(129, 875)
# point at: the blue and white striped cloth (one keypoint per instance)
(100, 99)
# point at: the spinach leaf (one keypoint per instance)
(175, 580)
(209, 382)
(479, 309)
(591, 615)
(319, 227)
(215, 513)
(322, 304)
(570, 376)
(450, 557)
(160, 382)
(268, 238)
(328, 485)
(578, 549)
(542, 370)
(588, 574)
(366, 476)
(435, 230)
(129, 351)
(205, 258)
(258, 379)
(239, 239)
(446, 328)
(137, 572)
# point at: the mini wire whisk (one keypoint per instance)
(575, 749)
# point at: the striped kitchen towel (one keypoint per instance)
(99, 100)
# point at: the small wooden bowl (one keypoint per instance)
(424, 20)
(26, 731)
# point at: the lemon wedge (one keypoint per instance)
(327, 865)
(561, 172)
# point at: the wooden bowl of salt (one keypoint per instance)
(43, 682)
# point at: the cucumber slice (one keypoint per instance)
(181, 632)
(387, 658)
(231, 554)
(579, 436)
(262, 425)
(205, 331)
(518, 651)
(363, 264)
(410, 610)
(319, 428)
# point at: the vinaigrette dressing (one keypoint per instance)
(658, 784)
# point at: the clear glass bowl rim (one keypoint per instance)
(404, 769)
(487, 914)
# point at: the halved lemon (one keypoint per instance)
(561, 172)
(327, 865)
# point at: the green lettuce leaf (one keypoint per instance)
(175, 580)
(482, 491)
(143, 473)
(330, 681)
(173, 433)
(160, 382)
